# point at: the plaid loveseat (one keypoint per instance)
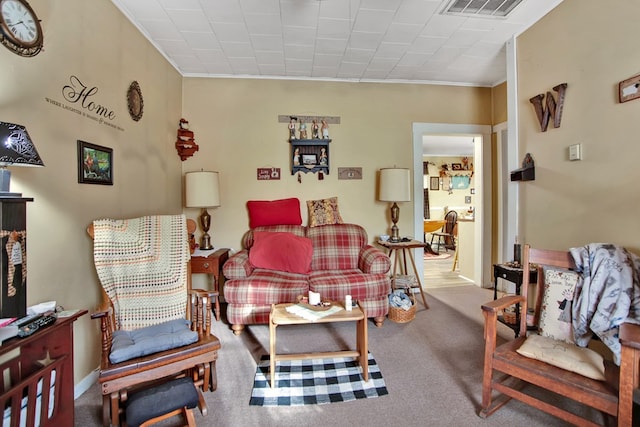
(343, 263)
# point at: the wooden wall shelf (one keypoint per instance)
(524, 174)
(312, 155)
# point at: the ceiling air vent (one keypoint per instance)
(481, 8)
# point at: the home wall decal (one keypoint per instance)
(80, 100)
(554, 108)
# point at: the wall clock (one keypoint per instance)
(20, 29)
(135, 101)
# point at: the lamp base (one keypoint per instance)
(205, 242)
(5, 183)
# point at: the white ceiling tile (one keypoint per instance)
(201, 40)
(270, 58)
(326, 60)
(392, 50)
(263, 24)
(402, 33)
(345, 39)
(333, 28)
(361, 40)
(331, 46)
(267, 42)
(228, 11)
(237, 49)
(415, 11)
(231, 32)
(372, 20)
(190, 20)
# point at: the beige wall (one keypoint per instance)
(93, 41)
(235, 123)
(593, 200)
(236, 126)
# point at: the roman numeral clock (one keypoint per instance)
(20, 29)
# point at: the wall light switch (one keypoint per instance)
(575, 152)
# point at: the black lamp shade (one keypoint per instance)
(16, 147)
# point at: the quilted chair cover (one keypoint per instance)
(142, 266)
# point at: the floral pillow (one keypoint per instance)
(555, 312)
(323, 212)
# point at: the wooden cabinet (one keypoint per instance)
(13, 256)
(38, 370)
(309, 155)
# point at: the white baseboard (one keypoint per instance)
(85, 384)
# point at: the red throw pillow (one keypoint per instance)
(274, 212)
(281, 252)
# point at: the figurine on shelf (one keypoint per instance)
(315, 129)
(323, 157)
(303, 129)
(292, 127)
(296, 157)
(325, 129)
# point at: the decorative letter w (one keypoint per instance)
(552, 109)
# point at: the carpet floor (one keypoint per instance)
(432, 369)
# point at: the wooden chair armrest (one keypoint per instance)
(199, 310)
(106, 329)
(502, 303)
(630, 335)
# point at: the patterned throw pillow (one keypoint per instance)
(323, 212)
(555, 312)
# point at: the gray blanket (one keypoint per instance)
(608, 294)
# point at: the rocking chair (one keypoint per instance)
(542, 359)
(144, 267)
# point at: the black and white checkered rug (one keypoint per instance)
(316, 381)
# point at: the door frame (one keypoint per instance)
(482, 162)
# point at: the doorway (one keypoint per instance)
(481, 264)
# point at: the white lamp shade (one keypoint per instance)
(395, 185)
(202, 189)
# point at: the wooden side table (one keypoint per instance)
(514, 275)
(211, 264)
(401, 249)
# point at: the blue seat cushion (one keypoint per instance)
(155, 401)
(151, 339)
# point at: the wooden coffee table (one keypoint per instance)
(280, 316)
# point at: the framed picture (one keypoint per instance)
(309, 159)
(434, 183)
(95, 164)
(456, 166)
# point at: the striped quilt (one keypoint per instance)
(142, 266)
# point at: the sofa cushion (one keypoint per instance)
(151, 339)
(281, 251)
(298, 230)
(337, 246)
(334, 285)
(324, 211)
(555, 311)
(274, 212)
(266, 287)
(570, 357)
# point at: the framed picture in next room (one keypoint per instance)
(95, 164)
(434, 183)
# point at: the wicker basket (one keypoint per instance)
(399, 315)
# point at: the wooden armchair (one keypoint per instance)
(144, 245)
(507, 372)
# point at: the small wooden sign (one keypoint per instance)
(629, 89)
(350, 173)
(267, 174)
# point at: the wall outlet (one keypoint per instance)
(575, 152)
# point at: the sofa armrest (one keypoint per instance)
(373, 261)
(238, 266)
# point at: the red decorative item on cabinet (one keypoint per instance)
(185, 144)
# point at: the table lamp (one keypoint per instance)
(202, 191)
(395, 186)
(16, 149)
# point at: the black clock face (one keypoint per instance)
(20, 29)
